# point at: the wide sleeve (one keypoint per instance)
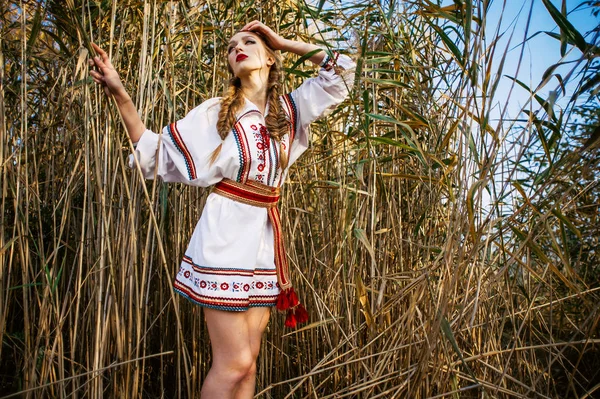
(182, 152)
(318, 96)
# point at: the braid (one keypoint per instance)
(231, 103)
(277, 124)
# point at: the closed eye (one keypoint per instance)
(246, 42)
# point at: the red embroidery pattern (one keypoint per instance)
(220, 271)
(263, 144)
(330, 63)
(234, 286)
(222, 303)
(292, 113)
(200, 278)
(182, 148)
(264, 272)
(244, 152)
(218, 287)
(273, 161)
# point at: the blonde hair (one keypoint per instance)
(233, 101)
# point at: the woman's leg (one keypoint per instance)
(232, 356)
(257, 318)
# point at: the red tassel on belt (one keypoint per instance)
(261, 195)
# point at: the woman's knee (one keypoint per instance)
(237, 367)
(251, 371)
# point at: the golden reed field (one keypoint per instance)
(445, 246)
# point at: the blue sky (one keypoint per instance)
(538, 54)
(541, 51)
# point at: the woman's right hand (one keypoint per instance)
(106, 75)
(275, 41)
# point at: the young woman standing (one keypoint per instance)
(242, 144)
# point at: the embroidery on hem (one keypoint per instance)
(237, 308)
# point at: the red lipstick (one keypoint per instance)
(240, 57)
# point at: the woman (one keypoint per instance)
(243, 144)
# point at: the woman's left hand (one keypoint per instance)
(275, 41)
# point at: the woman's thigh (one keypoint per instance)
(229, 337)
(258, 318)
(236, 335)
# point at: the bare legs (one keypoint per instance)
(235, 339)
(258, 318)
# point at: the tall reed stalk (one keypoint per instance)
(421, 282)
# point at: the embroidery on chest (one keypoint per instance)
(254, 147)
(258, 153)
(253, 144)
(264, 152)
(244, 154)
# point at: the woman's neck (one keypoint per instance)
(254, 88)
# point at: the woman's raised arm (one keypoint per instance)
(107, 76)
(277, 42)
(316, 96)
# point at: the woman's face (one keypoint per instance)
(247, 53)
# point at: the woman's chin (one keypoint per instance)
(244, 71)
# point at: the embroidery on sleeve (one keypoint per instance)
(181, 147)
(292, 113)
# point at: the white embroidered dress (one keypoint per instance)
(229, 263)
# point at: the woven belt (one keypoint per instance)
(263, 196)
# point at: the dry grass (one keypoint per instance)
(420, 283)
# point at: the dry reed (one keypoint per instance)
(419, 282)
